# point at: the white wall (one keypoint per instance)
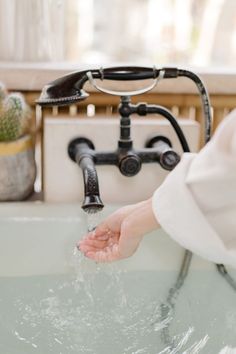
(63, 178)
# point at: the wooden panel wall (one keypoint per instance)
(181, 105)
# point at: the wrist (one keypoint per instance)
(142, 220)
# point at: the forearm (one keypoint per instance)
(142, 219)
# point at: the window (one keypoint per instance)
(200, 33)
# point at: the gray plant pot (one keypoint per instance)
(17, 169)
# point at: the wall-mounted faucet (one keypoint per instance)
(69, 89)
(125, 157)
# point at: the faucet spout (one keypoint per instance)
(81, 151)
(92, 202)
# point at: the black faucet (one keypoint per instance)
(125, 157)
(69, 89)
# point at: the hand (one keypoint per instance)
(119, 235)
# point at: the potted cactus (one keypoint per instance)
(17, 163)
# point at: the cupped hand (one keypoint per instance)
(119, 235)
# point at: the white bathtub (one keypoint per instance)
(38, 238)
(65, 311)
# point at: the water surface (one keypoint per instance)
(101, 310)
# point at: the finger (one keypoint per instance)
(97, 234)
(89, 235)
(103, 237)
(110, 235)
(98, 256)
(104, 229)
(101, 229)
(85, 248)
(94, 242)
(91, 239)
(109, 255)
(96, 246)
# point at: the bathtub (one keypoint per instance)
(53, 300)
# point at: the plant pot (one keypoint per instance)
(17, 169)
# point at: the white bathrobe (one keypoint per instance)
(196, 204)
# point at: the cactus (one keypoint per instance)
(14, 115)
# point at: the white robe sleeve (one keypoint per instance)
(196, 204)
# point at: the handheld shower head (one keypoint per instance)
(69, 88)
(65, 90)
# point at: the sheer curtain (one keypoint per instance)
(189, 32)
(32, 30)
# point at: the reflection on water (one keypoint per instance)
(101, 310)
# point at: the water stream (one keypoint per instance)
(93, 219)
